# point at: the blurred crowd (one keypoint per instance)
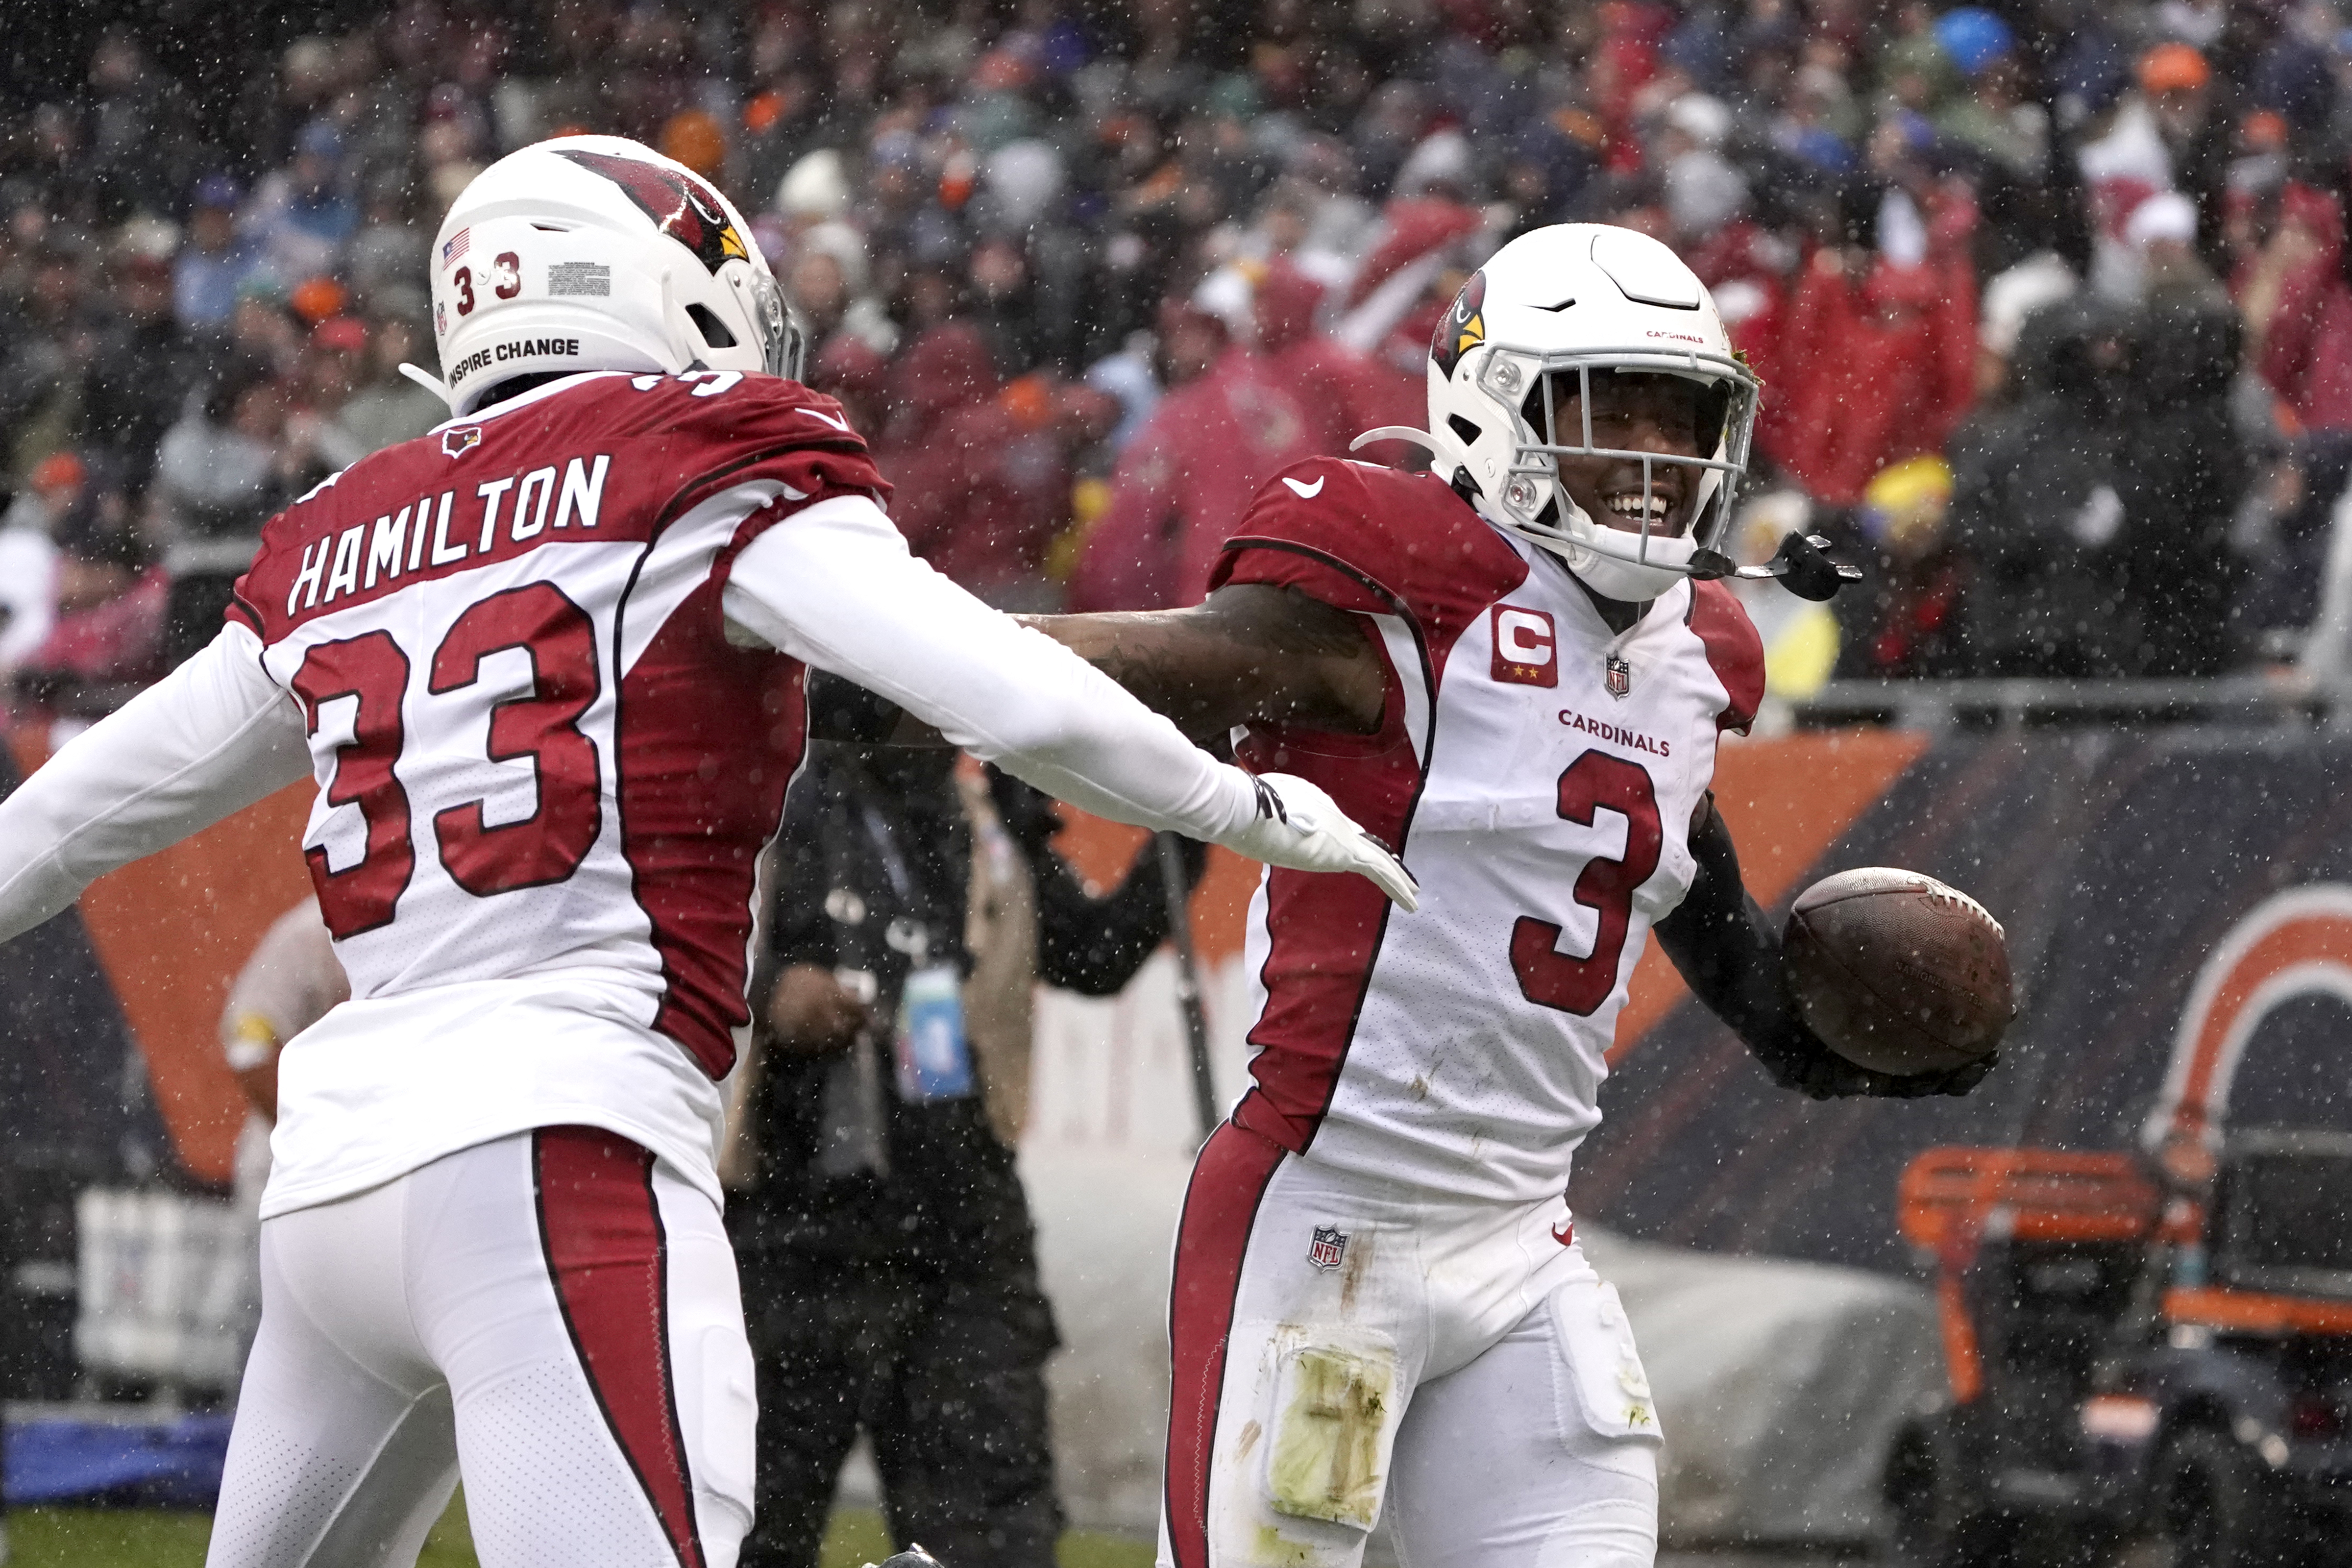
(2052, 298)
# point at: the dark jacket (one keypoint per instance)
(2037, 506)
(875, 861)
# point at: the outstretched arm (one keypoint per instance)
(1250, 652)
(1728, 953)
(835, 586)
(209, 738)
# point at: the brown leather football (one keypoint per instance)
(1897, 972)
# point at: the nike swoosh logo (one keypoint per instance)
(1305, 492)
(840, 425)
(1565, 1234)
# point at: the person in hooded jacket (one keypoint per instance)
(1227, 425)
(1878, 351)
(2184, 469)
(2038, 508)
(1342, 392)
(2306, 353)
(981, 490)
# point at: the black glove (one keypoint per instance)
(1807, 571)
(1815, 1072)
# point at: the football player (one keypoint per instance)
(1514, 669)
(546, 665)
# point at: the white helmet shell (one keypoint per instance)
(1524, 335)
(598, 253)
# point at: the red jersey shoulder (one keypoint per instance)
(612, 459)
(1378, 539)
(1735, 651)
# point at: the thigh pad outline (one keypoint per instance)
(1607, 1392)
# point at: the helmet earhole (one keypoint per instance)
(714, 331)
(1532, 411)
(1463, 428)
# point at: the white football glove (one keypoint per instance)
(1301, 827)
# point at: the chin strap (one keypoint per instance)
(1398, 433)
(429, 382)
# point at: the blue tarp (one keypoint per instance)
(156, 1464)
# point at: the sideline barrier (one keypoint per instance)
(129, 1456)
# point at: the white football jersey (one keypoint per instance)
(1538, 774)
(545, 776)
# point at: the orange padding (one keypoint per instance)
(1958, 1195)
(2254, 1312)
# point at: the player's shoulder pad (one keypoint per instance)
(1407, 537)
(724, 424)
(1735, 650)
(766, 409)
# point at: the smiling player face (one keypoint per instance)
(1632, 412)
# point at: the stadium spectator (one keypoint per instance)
(1908, 623)
(216, 260)
(125, 416)
(1224, 428)
(982, 484)
(107, 639)
(1342, 393)
(28, 555)
(219, 474)
(2038, 511)
(2182, 459)
(1877, 359)
(388, 407)
(301, 215)
(2306, 353)
(1858, 187)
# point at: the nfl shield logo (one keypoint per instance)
(1618, 676)
(1330, 1246)
(458, 442)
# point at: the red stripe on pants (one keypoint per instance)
(603, 1236)
(1219, 1208)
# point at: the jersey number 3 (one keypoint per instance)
(542, 724)
(1549, 977)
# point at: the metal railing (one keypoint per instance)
(2287, 697)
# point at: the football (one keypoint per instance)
(1896, 971)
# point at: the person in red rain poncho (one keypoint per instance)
(1342, 392)
(2307, 354)
(1878, 360)
(1224, 429)
(981, 490)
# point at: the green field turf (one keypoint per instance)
(159, 1538)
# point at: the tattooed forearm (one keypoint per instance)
(1251, 652)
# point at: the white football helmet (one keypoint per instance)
(1523, 338)
(598, 253)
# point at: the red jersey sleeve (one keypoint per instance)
(1372, 540)
(1735, 651)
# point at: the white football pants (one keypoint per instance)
(553, 1315)
(1338, 1341)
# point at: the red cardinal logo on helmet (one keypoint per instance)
(682, 206)
(1460, 328)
